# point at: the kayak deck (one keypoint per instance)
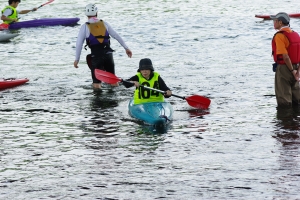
(41, 22)
(156, 113)
(11, 82)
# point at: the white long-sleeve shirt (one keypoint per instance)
(85, 33)
(8, 12)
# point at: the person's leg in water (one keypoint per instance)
(109, 65)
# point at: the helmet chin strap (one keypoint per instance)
(94, 17)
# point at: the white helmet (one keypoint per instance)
(91, 10)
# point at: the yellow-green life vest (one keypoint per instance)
(14, 14)
(143, 95)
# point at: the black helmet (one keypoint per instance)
(145, 63)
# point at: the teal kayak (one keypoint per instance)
(156, 113)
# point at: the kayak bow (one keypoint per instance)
(11, 82)
(41, 22)
(155, 113)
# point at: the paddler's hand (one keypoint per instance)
(295, 73)
(127, 83)
(34, 9)
(168, 93)
(76, 63)
(128, 52)
(136, 84)
(115, 84)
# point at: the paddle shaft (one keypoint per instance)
(194, 100)
(163, 92)
(45, 4)
(50, 1)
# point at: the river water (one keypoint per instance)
(60, 140)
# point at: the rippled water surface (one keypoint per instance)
(60, 140)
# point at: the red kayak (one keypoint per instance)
(292, 15)
(4, 26)
(12, 82)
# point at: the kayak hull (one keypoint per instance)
(12, 82)
(292, 15)
(44, 22)
(156, 113)
(7, 36)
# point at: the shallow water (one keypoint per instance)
(60, 140)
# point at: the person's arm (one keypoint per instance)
(164, 87)
(6, 13)
(79, 43)
(131, 81)
(27, 11)
(288, 62)
(4, 18)
(116, 36)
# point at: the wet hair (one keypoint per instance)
(11, 1)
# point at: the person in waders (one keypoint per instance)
(285, 51)
(97, 34)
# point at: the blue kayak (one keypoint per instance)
(156, 113)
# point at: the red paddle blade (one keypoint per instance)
(106, 77)
(198, 101)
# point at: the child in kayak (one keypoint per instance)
(10, 13)
(148, 77)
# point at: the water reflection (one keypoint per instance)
(101, 117)
(198, 113)
(288, 125)
(103, 100)
(145, 141)
(287, 133)
(152, 129)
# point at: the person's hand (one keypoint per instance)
(34, 9)
(295, 74)
(129, 53)
(168, 93)
(136, 84)
(76, 63)
(115, 84)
